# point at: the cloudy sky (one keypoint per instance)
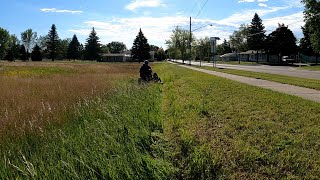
(120, 20)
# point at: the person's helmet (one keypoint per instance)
(146, 62)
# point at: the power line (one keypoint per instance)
(202, 8)
(193, 7)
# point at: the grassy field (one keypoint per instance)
(302, 82)
(100, 123)
(194, 126)
(224, 129)
(32, 93)
(312, 68)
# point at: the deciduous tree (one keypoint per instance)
(63, 48)
(312, 19)
(28, 39)
(238, 40)
(4, 42)
(13, 50)
(224, 48)
(179, 42)
(282, 41)
(116, 47)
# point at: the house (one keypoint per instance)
(229, 57)
(116, 57)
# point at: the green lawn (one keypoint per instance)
(312, 68)
(219, 128)
(237, 62)
(303, 82)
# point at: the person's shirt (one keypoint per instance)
(145, 68)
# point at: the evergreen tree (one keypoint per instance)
(140, 48)
(82, 51)
(312, 19)
(74, 48)
(23, 53)
(282, 41)
(256, 37)
(92, 48)
(10, 55)
(36, 54)
(53, 42)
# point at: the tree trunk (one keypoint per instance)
(317, 59)
(257, 56)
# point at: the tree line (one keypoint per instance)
(50, 46)
(253, 36)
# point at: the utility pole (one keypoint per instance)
(190, 42)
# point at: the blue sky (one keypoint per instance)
(120, 20)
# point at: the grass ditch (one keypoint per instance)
(221, 129)
(116, 136)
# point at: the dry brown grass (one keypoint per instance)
(34, 94)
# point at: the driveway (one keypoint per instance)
(281, 70)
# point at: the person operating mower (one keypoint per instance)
(146, 74)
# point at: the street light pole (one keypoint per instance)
(190, 39)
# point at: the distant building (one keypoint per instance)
(116, 57)
(229, 57)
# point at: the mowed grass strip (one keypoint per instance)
(34, 94)
(236, 62)
(311, 68)
(302, 82)
(218, 128)
(114, 136)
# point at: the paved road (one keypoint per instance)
(281, 70)
(310, 94)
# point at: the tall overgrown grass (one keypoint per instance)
(114, 136)
(34, 94)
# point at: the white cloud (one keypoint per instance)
(136, 4)
(246, 16)
(246, 1)
(261, 2)
(293, 21)
(159, 29)
(60, 10)
(262, 5)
